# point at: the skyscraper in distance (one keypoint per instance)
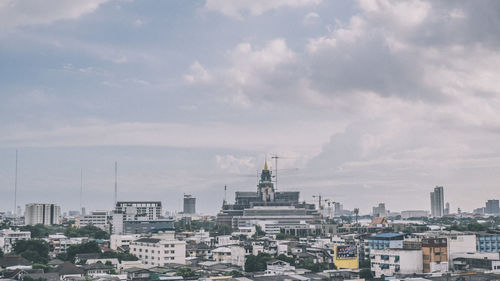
(437, 202)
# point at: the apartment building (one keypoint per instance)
(159, 249)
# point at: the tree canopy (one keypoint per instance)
(36, 251)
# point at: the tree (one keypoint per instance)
(84, 248)
(185, 272)
(234, 273)
(118, 255)
(257, 263)
(1, 253)
(365, 273)
(286, 258)
(44, 267)
(309, 263)
(36, 251)
(38, 230)
(86, 231)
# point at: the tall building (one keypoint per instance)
(47, 214)
(189, 204)
(492, 207)
(437, 202)
(379, 211)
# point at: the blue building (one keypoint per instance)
(488, 243)
(382, 241)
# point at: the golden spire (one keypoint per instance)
(265, 166)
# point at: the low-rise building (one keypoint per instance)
(95, 218)
(488, 243)
(159, 250)
(390, 262)
(119, 241)
(435, 255)
(8, 238)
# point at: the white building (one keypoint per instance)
(116, 241)
(232, 254)
(47, 214)
(95, 218)
(139, 210)
(159, 249)
(414, 214)
(59, 243)
(8, 238)
(278, 267)
(389, 262)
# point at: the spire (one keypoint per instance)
(265, 166)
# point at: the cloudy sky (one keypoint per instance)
(366, 101)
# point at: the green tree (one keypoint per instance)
(44, 267)
(84, 248)
(365, 273)
(309, 263)
(118, 255)
(286, 258)
(36, 251)
(185, 272)
(257, 263)
(234, 273)
(86, 231)
(38, 230)
(1, 253)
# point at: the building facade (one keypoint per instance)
(189, 204)
(390, 262)
(9, 237)
(266, 204)
(38, 213)
(95, 218)
(159, 250)
(435, 255)
(437, 202)
(492, 207)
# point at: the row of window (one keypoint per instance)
(152, 251)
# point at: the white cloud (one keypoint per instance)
(30, 12)
(198, 74)
(234, 164)
(310, 18)
(239, 8)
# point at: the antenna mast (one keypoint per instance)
(275, 157)
(81, 188)
(116, 181)
(15, 191)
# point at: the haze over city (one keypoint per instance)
(365, 101)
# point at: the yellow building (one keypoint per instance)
(346, 257)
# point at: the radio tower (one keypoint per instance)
(15, 191)
(276, 157)
(81, 188)
(116, 181)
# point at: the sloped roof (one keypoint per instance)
(68, 268)
(13, 260)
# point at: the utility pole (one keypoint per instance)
(276, 157)
(81, 188)
(116, 182)
(15, 190)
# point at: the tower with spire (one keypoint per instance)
(265, 188)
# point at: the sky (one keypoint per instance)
(364, 101)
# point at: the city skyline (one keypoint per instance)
(364, 101)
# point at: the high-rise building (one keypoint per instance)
(492, 207)
(379, 211)
(437, 202)
(447, 209)
(47, 214)
(189, 204)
